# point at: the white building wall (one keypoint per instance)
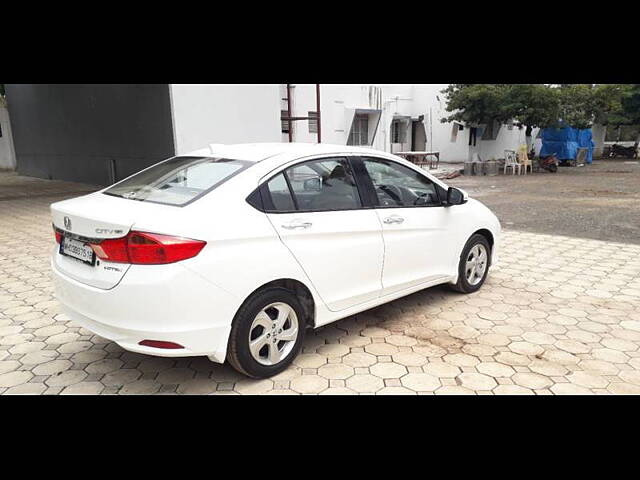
(7, 153)
(339, 103)
(205, 114)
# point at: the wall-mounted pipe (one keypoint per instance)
(289, 122)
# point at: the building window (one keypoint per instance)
(491, 131)
(398, 131)
(313, 122)
(284, 125)
(454, 132)
(359, 134)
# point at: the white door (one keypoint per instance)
(419, 245)
(317, 211)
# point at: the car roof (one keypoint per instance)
(268, 157)
(257, 152)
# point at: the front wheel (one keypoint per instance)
(474, 264)
(267, 333)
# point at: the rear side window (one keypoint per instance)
(321, 185)
(178, 181)
(280, 194)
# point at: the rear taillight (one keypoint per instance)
(147, 249)
(113, 250)
(58, 235)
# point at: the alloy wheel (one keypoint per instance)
(273, 333)
(476, 264)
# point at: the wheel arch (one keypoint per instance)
(299, 289)
(486, 234)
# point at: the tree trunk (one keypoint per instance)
(473, 149)
(599, 136)
(528, 138)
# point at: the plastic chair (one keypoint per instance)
(523, 160)
(511, 161)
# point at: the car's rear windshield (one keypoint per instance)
(178, 181)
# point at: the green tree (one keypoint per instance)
(477, 103)
(538, 105)
(533, 105)
(630, 103)
(608, 101)
(578, 105)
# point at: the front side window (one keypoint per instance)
(399, 186)
(317, 185)
(177, 181)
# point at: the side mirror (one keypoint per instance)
(313, 184)
(455, 196)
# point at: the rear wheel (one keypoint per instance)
(474, 264)
(267, 333)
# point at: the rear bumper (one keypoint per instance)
(158, 302)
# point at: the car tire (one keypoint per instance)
(471, 283)
(269, 355)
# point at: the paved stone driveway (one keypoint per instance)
(558, 315)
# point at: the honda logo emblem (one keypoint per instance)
(67, 223)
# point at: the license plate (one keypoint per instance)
(78, 250)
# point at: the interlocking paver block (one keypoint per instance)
(359, 359)
(495, 369)
(13, 379)
(558, 315)
(477, 381)
(333, 350)
(141, 387)
(309, 360)
(365, 383)
(336, 371)
(64, 379)
(86, 388)
(420, 382)
(52, 368)
(309, 384)
(388, 370)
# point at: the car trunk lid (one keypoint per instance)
(92, 219)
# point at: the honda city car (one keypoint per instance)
(232, 252)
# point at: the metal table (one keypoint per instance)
(420, 158)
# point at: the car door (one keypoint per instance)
(418, 244)
(317, 210)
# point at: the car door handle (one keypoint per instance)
(296, 224)
(393, 219)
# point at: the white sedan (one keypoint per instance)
(232, 252)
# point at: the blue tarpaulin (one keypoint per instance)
(564, 143)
